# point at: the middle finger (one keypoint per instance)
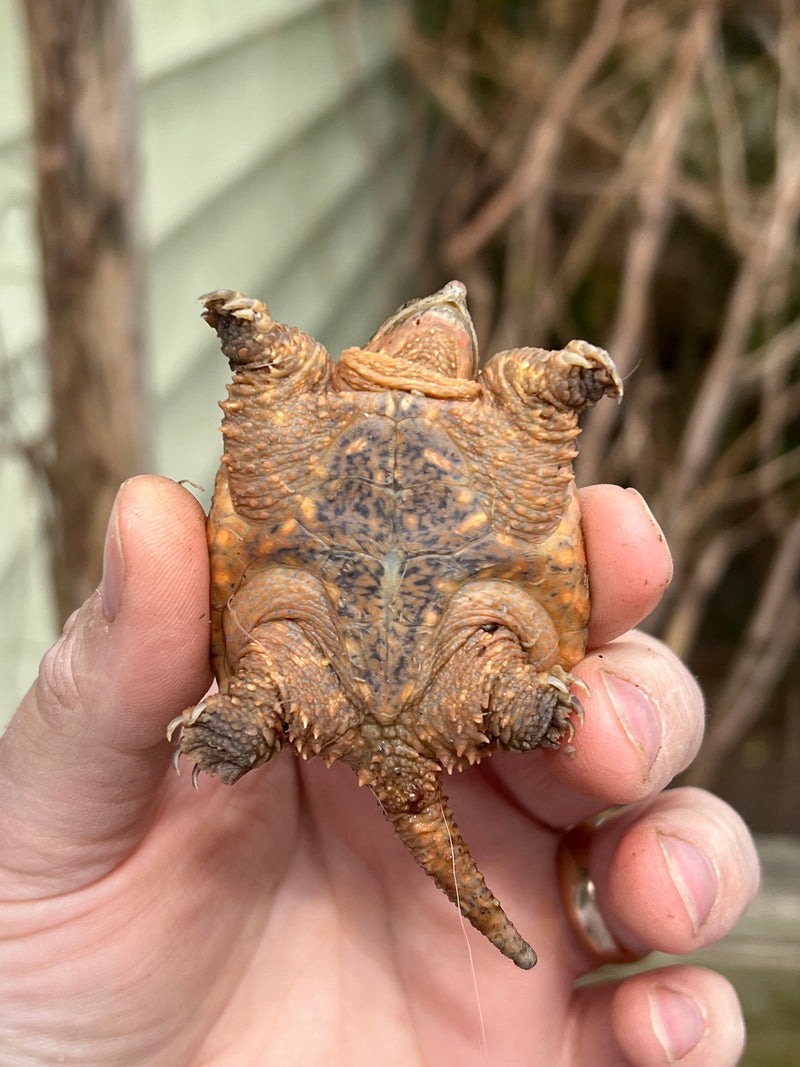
(643, 724)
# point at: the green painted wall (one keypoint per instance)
(273, 160)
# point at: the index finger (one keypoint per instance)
(628, 560)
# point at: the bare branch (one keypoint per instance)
(527, 182)
(770, 644)
(647, 240)
(82, 105)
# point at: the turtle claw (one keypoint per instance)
(579, 682)
(243, 307)
(576, 358)
(562, 680)
(186, 718)
(557, 682)
(176, 756)
(577, 707)
(218, 296)
(596, 374)
(237, 302)
(567, 703)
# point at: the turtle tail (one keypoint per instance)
(434, 840)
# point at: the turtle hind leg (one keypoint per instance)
(228, 734)
(282, 691)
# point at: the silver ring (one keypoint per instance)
(579, 898)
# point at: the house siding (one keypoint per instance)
(273, 159)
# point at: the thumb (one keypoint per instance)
(83, 760)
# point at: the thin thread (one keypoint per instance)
(247, 633)
(481, 1025)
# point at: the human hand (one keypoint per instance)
(280, 921)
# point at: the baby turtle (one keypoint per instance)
(397, 568)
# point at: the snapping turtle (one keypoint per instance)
(398, 575)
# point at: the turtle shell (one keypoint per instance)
(398, 574)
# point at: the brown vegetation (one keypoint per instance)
(630, 173)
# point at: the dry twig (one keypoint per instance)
(636, 181)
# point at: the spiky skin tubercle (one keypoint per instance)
(398, 575)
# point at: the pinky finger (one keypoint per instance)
(680, 1014)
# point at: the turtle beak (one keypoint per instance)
(452, 299)
(444, 311)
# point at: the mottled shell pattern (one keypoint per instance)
(398, 574)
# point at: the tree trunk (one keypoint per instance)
(83, 126)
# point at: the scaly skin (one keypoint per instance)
(398, 577)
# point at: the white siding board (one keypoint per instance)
(195, 29)
(207, 125)
(187, 437)
(255, 230)
(13, 75)
(270, 161)
(20, 298)
(321, 288)
(338, 285)
(28, 603)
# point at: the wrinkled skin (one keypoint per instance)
(278, 922)
(398, 572)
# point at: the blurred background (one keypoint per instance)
(623, 172)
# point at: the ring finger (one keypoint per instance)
(673, 875)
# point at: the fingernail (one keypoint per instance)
(636, 716)
(113, 566)
(645, 506)
(693, 875)
(677, 1021)
(660, 533)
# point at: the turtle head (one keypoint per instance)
(434, 332)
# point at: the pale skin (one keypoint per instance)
(279, 921)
